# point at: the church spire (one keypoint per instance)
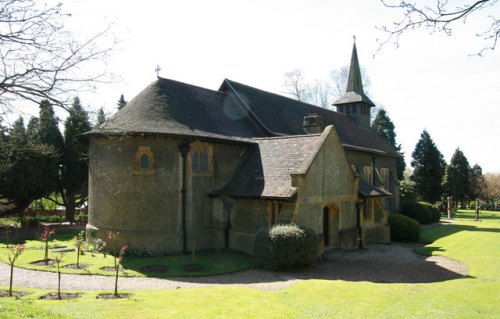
(354, 81)
(355, 102)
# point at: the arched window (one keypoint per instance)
(144, 161)
(201, 159)
(195, 160)
(204, 161)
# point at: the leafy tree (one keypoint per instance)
(457, 177)
(74, 175)
(441, 17)
(101, 117)
(383, 125)
(493, 188)
(40, 58)
(429, 166)
(478, 182)
(21, 168)
(121, 102)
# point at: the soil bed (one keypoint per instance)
(5, 293)
(44, 262)
(64, 296)
(192, 268)
(113, 296)
(155, 268)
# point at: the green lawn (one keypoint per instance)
(476, 244)
(211, 262)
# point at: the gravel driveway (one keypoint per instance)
(395, 263)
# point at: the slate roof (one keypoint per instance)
(168, 107)
(282, 115)
(368, 190)
(235, 114)
(266, 172)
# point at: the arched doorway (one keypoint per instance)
(331, 226)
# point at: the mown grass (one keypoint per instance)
(211, 262)
(475, 244)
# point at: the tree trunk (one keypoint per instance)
(11, 278)
(58, 282)
(117, 268)
(70, 206)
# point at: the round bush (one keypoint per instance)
(418, 212)
(286, 246)
(435, 213)
(403, 228)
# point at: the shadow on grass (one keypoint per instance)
(429, 236)
(206, 263)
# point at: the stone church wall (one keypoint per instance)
(144, 208)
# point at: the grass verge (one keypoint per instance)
(472, 243)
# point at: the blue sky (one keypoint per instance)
(430, 82)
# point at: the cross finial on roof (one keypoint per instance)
(157, 70)
(354, 37)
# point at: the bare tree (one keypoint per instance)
(296, 85)
(339, 79)
(40, 59)
(321, 92)
(441, 17)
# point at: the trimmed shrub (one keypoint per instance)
(418, 212)
(286, 246)
(435, 212)
(403, 228)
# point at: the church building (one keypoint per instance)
(182, 167)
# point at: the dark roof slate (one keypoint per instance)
(266, 173)
(368, 190)
(174, 108)
(282, 115)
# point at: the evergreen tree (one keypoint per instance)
(21, 169)
(74, 177)
(101, 117)
(457, 177)
(478, 182)
(429, 166)
(49, 135)
(121, 102)
(383, 125)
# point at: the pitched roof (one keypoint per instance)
(266, 172)
(282, 115)
(174, 108)
(368, 190)
(354, 90)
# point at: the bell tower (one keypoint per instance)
(355, 102)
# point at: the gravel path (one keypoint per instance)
(395, 263)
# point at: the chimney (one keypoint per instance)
(313, 124)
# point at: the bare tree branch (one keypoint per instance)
(440, 18)
(40, 59)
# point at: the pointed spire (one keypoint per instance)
(354, 81)
(354, 88)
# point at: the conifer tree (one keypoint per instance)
(457, 177)
(121, 102)
(21, 168)
(74, 174)
(49, 135)
(101, 117)
(429, 166)
(383, 125)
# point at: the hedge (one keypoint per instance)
(403, 228)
